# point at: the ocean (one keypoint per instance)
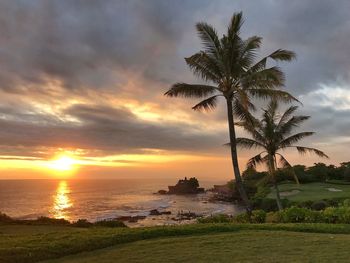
(103, 199)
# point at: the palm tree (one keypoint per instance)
(228, 66)
(272, 134)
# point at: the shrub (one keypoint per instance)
(269, 204)
(43, 220)
(258, 216)
(337, 215)
(82, 223)
(218, 218)
(262, 192)
(273, 217)
(346, 174)
(110, 223)
(241, 218)
(298, 215)
(319, 205)
(5, 218)
(346, 203)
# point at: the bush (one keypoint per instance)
(43, 220)
(269, 204)
(82, 223)
(258, 216)
(5, 218)
(319, 205)
(337, 215)
(218, 218)
(241, 218)
(346, 203)
(262, 192)
(346, 174)
(110, 223)
(299, 215)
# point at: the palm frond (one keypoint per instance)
(293, 122)
(235, 25)
(205, 66)
(282, 55)
(248, 143)
(286, 165)
(190, 90)
(207, 104)
(263, 93)
(209, 37)
(286, 115)
(268, 78)
(245, 100)
(283, 161)
(256, 160)
(252, 126)
(304, 150)
(241, 111)
(247, 51)
(294, 139)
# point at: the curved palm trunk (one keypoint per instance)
(296, 178)
(234, 157)
(272, 168)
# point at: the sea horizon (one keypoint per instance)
(103, 199)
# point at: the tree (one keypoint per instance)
(229, 68)
(274, 133)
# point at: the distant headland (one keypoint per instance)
(184, 187)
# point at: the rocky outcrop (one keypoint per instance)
(186, 186)
(130, 219)
(222, 193)
(155, 212)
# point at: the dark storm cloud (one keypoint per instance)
(84, 43)
(93, 44)
(104, 129)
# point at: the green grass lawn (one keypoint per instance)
(313, 191)
(204, 242)
(243, 246)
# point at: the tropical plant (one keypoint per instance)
(273, 133)
(229, 67)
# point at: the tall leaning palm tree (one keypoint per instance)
(273, 133)
(229, 67)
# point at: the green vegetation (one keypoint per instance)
(313, 191)
(229, 67)
(32, 243)
(43, 220)
(242, 246)
(272, 134)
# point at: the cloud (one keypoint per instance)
(68, 66)
(107, 130)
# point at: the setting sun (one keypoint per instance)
(63, 163)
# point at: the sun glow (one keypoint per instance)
(63, 163)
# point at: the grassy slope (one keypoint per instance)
(243, 246)
(34, 243)
(313, 191)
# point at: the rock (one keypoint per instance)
(130, 219)
(166, 213)
(162, 192)
(186, 186)
(185, 216)
(154, 212)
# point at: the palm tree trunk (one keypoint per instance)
(272, 167)
(296, 178)
(234, 157)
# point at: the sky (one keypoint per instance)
(85, 80)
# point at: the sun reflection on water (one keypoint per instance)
(62, 201)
